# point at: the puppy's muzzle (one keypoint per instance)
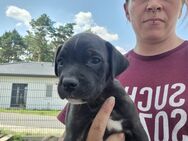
(70, 87)
(70, 84)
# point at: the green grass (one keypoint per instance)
(16, 136)
(19, 136)
(33, 112)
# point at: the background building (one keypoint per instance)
(29, 85)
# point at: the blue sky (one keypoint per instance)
(105, 17)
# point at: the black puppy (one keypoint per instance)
(86, 66)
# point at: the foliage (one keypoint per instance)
(12, 47)
(62, 33)
(39, 44)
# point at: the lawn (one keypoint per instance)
(34, 112)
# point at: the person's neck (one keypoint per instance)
(151, 48)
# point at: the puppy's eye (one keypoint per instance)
(61, 63)
(60, 66)
(95, 60)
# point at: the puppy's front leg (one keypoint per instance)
(132, 124)
(77, 123)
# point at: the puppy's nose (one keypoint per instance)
(70, 84)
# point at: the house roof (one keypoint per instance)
(28, 69)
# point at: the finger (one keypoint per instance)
(61, 139)
(99, 124)
(116, 137)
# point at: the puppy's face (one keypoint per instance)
(83, 66)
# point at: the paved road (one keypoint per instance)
(24, 122)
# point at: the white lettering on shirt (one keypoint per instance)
(177, 93)
(161, 99)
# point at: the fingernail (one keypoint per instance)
(109, 104)
(121, 136)
(111, 100)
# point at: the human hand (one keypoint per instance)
(99, 124)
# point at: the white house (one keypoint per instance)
(30, 85)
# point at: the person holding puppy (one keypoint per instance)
(157, 78)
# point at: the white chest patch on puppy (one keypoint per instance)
(114, 125)
(76, 101)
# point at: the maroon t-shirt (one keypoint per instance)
(158, 86)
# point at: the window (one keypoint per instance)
(49, 88)
(19, 95)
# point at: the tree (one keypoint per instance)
(12, 47)
(38, 46)
(61, 34)
(44, 38)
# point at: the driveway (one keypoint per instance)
(31, 123)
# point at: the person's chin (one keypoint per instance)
(153, 36)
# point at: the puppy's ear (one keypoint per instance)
(57, 52)
(117, 62)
